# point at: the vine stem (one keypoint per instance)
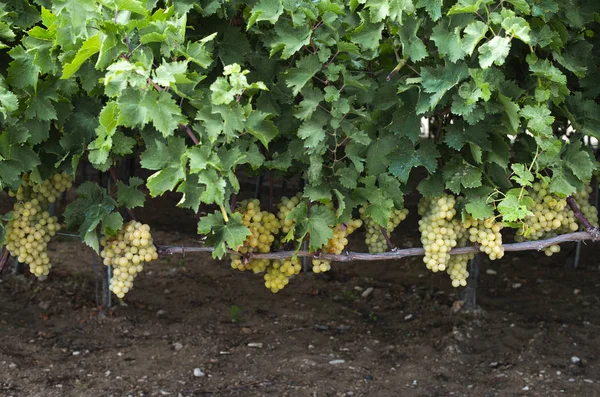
(393, 255)
(190, 133)
(4, 255)
(589, 228)
(387, 238)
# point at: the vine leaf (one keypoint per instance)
(129, 196)
(494, 52)
(522, 176)
(222, 235)
(514, 209)
(296, 78)
(93, 208)
(89, 47)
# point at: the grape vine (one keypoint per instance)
(337, 94)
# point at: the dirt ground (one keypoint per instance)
(538, 333)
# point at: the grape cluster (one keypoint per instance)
(486, 233)
(374, 237)
(31, 228)
(552, 215)
(126, 252)
(336, 244)
(285, 206)
(439, 231)
(279, 273)
(263, 226)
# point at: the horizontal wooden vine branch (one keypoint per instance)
(398, 254)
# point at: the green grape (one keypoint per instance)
(374, 237)
(552, 216)
(126, 252)
(32, 226)
(336, 244)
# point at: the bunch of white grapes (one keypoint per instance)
(486, 233)
(439, 231)
(263, 226)
(374, 237)
(126, 252)
(285, 206)
(31, 228)
(279, 273)
(336, 244)
(552, 215)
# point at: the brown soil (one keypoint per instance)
(538, 318)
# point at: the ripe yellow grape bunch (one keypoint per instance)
(263, 226)
(126, 253)
(374, 237)
(336, 244)
(31, 228)
(279, 273)
(552, 216)
(441, 231)
(285, 206)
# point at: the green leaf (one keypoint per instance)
(296, 78)
(128, 195)
(171, 72)
(517, 27)
(164, 180)
(214, 187)
(523, 175)
(261, 128)
(22, 71)
(473, 34)
(448, 41)
(191, 191)
(89, 47)
(539, 119)
(162, 110)
(440, 80)
(520, 5)
(265, 10)
(512, 209)
(289, 40)
(467, 6)
(479, 208)
(433, 8)
(311, 97)
(494, 51)
(579, 161)
(459, 173)
(406, 158)
(222, 235)
(319, 222)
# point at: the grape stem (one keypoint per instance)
(387, 239)
(589, 228)
(4, 255)
(190, 133)
(392, 255)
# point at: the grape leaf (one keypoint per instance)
(512, 209)
(89, 47)
(523, 175)
(298, 77)
(222, 235)
(494, 51)
(265, 10)
(191, 191)
(128, 195)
